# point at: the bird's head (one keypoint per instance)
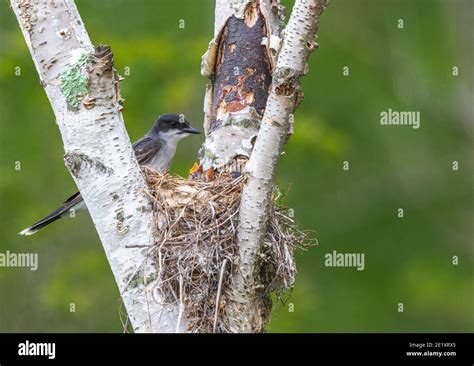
(172, 127)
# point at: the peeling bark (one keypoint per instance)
(298, 43)
(82, 87)
(239, 63)
(242, 75)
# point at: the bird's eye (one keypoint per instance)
(173, 124)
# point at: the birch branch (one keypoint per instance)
(82, 87)
(298, 43)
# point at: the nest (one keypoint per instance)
(195, 247)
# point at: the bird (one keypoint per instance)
(155, 150)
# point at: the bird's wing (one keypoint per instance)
(145, 149)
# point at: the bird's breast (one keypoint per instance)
(163, 158)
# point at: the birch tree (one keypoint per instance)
(255, 68)
(83, 89)
(255, 90)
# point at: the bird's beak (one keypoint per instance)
(190, 130)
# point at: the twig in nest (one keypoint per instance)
(181, 303)
(218, 299)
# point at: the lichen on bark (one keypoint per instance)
(74, 81)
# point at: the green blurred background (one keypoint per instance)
(407, 260)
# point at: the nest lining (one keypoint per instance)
(195, 225)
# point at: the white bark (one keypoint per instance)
(98, 151)
(298, 43)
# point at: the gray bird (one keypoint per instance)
(155, 150)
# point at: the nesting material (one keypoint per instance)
(195, 230)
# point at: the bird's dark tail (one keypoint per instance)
(53, 216)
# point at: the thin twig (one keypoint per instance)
(181, 303)
(218, 298)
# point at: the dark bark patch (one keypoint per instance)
(285, 89)
(104, 86)
(242, 73)
(103, 59)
